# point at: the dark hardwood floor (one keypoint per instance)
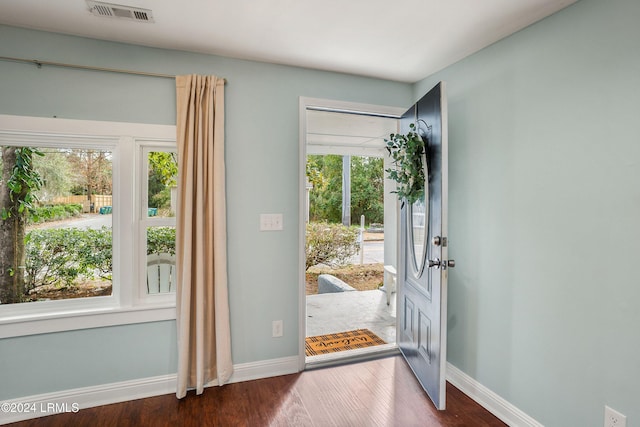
(380, 392)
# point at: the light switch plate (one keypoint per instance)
(271, 222)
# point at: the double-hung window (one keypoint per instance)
(157, 220)
(87, 225)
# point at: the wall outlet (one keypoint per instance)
(613, 418)
(276, 328)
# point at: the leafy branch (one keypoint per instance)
(166, 165)
(23, 183)
(407, 153)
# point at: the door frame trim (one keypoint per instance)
(327, 105)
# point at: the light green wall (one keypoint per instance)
(262, 177)
(66, 360)
(545, 214)
(544, 205)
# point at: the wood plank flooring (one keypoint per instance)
(381, 392)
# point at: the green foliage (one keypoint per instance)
(54, 212)
(330, 244)
(74, 209)
(407, 153)
(326, 199)
(314, 172)
(161, 200)
(165, 165)
(163, 174)
(23, 183)
(97, 252)
(367, 188)
(64, 255)
(367, 194)
(161, 240)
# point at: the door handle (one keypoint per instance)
(442, 264)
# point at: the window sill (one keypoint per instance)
(71, 320)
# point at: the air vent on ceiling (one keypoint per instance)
(120, 11)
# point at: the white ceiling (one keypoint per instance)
(404, 40)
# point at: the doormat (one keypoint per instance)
(341, 341)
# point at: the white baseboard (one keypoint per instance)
(41, 405)
(264, 369)
(489, 400)
(81, 398)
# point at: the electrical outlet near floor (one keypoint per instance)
(613, 418)
(276, 328)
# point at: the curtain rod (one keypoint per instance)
(39, 64)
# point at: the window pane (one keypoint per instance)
(161, 259)
(162, 181)
(56, 229)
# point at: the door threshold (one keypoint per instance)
(350, 356)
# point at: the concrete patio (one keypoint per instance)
(346, 311)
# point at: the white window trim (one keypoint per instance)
(123, 306)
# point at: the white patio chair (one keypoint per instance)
(389, 281)
(161, 273)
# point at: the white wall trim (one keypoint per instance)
(87, 397)
(489, 400)
(264, 369)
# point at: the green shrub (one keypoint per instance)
(73, 209)
(161, 199)
(42, 214)
(97, 252)
(330, 244)
(59, 212)
(161, 240)
(54, 213)
(64, 255)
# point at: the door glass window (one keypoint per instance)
(418, 216)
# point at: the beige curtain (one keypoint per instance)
(204, 337)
